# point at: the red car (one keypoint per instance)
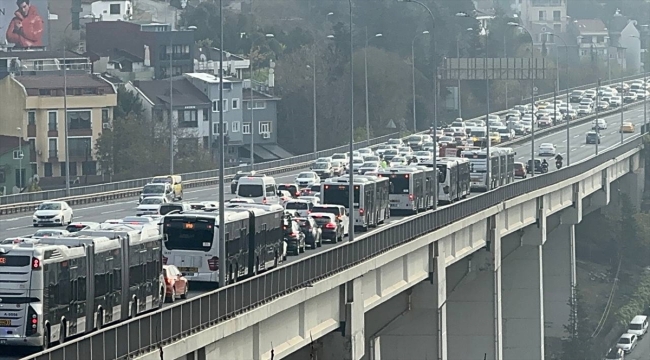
(175, 283)
(520, 170)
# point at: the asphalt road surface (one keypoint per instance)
(21, 225)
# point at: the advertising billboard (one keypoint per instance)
(23, 23)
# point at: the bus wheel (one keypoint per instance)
(46, 337)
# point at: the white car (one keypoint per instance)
(584, 110)
(547, 149)
(357, 162)
(150, 205)
(422, 156)
(599, 124)
(366, 151)
(627, 342)
(57, 213)
(370, 166)
(307, 178)
(302, 207)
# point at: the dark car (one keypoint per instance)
(592, 138)
(235, 180)
(520, 170)
(330, 225)
(312, 232)
(78, 226)
(291, 188)
(294, 236)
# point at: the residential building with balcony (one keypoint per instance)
(191, 111)
(155, 43)
(38, 109)
(542, 16)
(23, 63)
(593, 39)
(14, 174)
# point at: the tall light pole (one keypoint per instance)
(351, 150)
(568, 125)
(488, 168)
(415, 123)
(171, 97)
(597, 115)
(532, 94)
(313, 66)
(222, 161)
(435, 94)
(365, 70)
(252, 102)
(622, 110)
(65, 114)
(20, 158)
(645, 81)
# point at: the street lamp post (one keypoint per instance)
(568, 120)
(435, 94)
(222, 192)
(351, 150)
(645, 81)
(251, 101)
(415, 123)
(365, 70)
(20, 158)
(314, 86)
(488, 170)
(532, 95)
(65, 115)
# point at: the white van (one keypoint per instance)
(638, 326)
(259, 188)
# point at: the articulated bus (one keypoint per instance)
(57, 287)
(453, 179)
(409, 188)
(501, 168)
(371, 200)
(254, 242)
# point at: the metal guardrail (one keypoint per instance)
(146, 333)
(108, 190)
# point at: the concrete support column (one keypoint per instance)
(420, 332)
(522, 294)
(559, 280)
(349, 342)
(474, 302)
(632, 184)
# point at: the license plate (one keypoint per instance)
(393, 205)
(188, 269)
(3, 342)
(5, 322)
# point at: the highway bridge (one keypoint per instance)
(466, 280)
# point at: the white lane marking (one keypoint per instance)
(16, 228)
(112, 211)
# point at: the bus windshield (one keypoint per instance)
(338, 195)
(182, 234)
(442, 173)
(399, 184)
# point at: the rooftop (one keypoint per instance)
(589, 26)
(209, 78)
(185, 94)
(56, 81)
(37, 55)
(213, 53)
(246, 95)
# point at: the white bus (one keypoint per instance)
(57, 287)
(506, 165)
(371, 202)
(453, 179)
(408, 188)
(501, 168)
(254, 242)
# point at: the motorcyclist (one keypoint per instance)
(559, 157)
(413, 160)
(544, 164)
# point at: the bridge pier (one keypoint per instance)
(522, 293)
(348, 343)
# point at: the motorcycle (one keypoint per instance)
(558, 164)
(540, 168)
(544, 168)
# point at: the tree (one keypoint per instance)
(579, 344)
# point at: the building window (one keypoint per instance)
(79, 119)
(265, 127)
(235, 104)
(31, 118)
(115, 9)
(89, 168)
(34, 168)
(557, 15)
(48, 169)
(217, 108)
(32, 150)
(106, 116)
(235, 126)
(215, 128)
(188, 118)
(51, 121)
(542, 15)
(53, 148)
(73, 169)
(246, 128)
(600, 39)
(80, 147)
(205, 115)
(257, 104)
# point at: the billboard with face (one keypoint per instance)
(23, 23)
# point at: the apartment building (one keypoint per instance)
(543, 16)
(38, 110)
(155, 43)
(38, 62)
(15, 170)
